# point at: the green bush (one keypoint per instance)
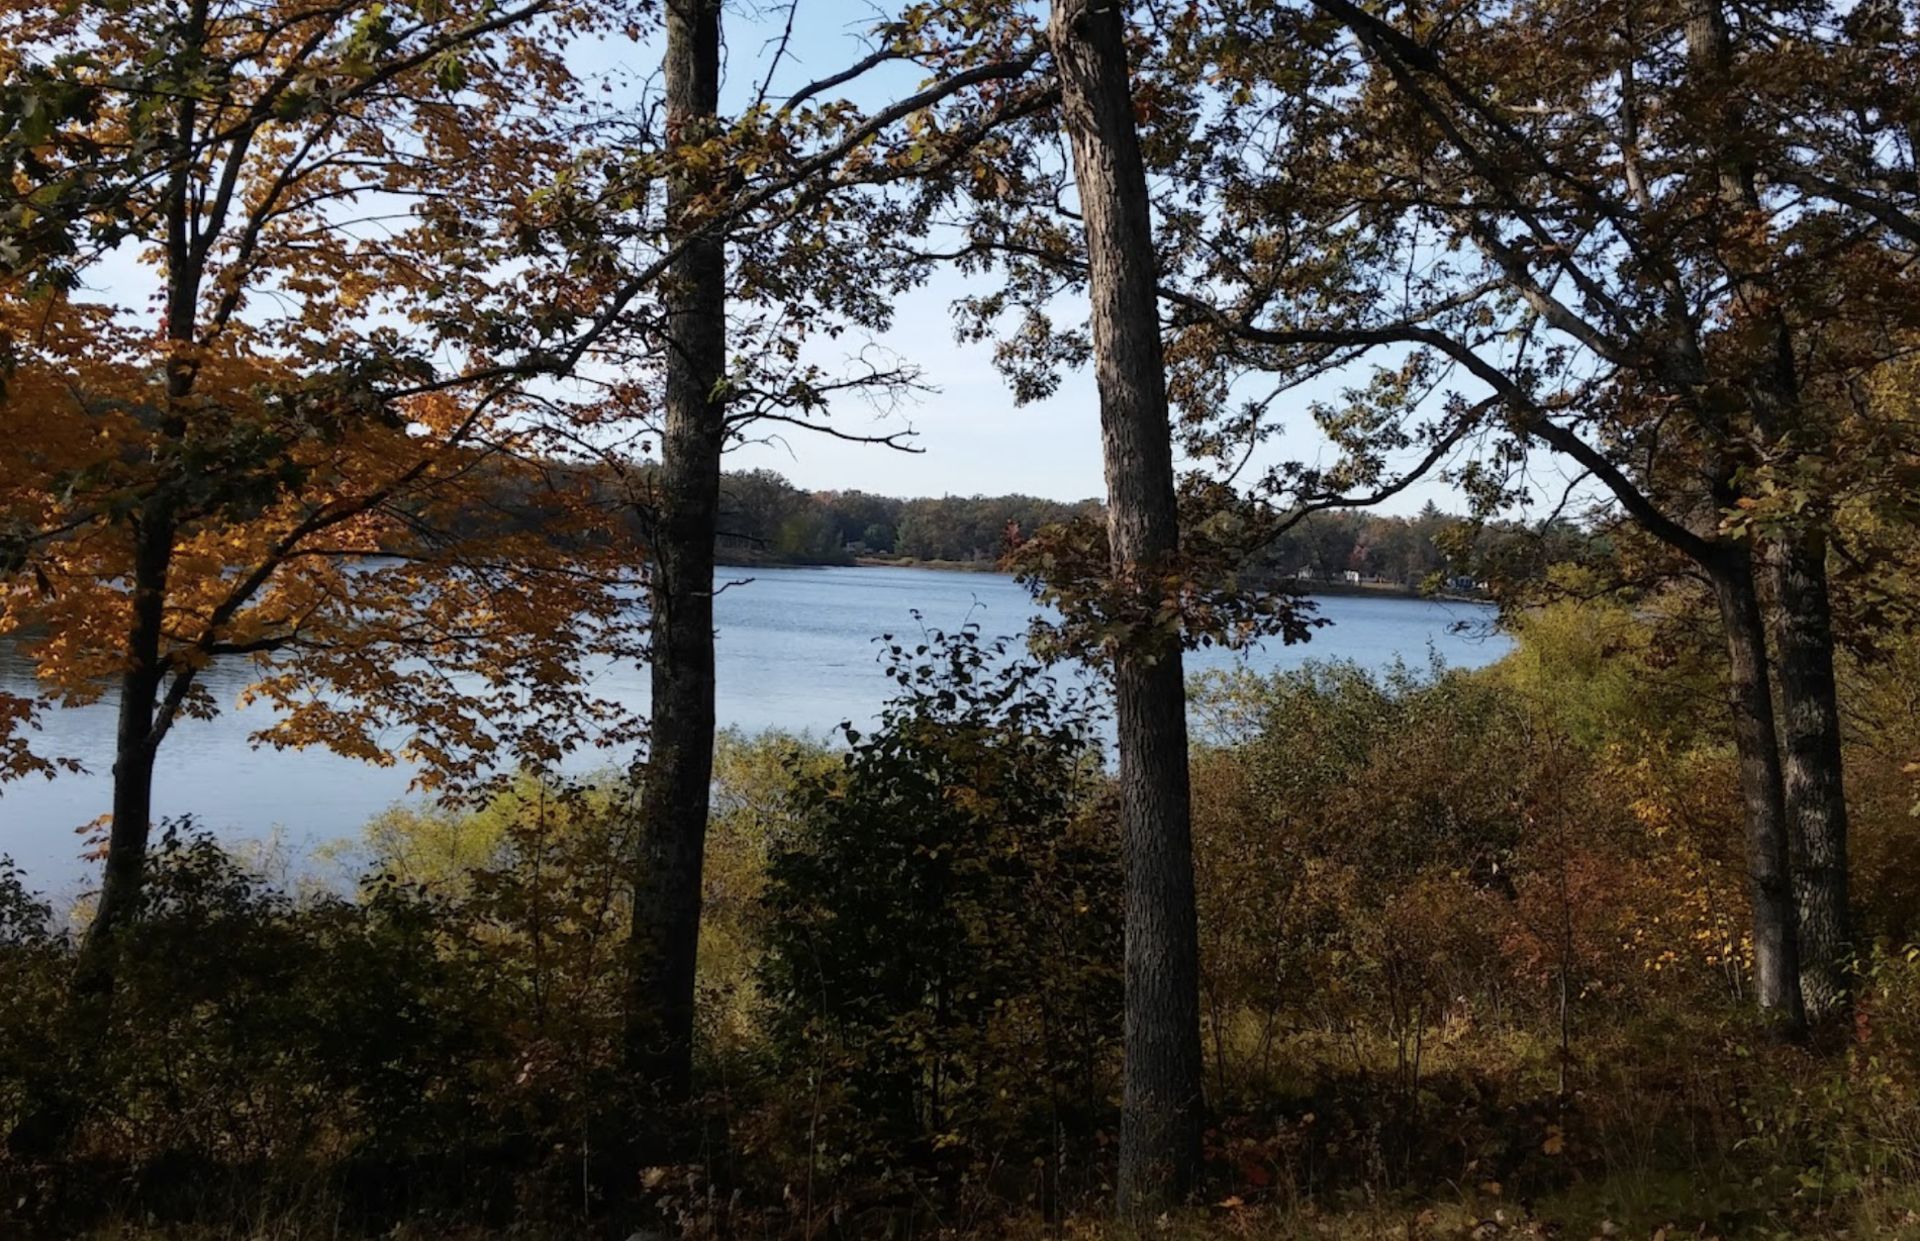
(942, 935)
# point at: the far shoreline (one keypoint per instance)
(1310, 588)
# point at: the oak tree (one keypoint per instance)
(744, 263)
(1162, 1106)
(1660, 242)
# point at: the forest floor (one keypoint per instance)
(1630, 1207)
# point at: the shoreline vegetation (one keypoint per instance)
(1308, 587)
(1535, 978)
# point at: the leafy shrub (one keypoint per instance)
(942, 937)
(1475, 935)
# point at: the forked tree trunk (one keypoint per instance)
(1162, 1104)
(1812, 771)
(675, 795)
(1795, 563)
(53, 1103)
(1776, 958)
(135, 740)
(133, 750)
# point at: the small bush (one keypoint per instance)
(942, 936)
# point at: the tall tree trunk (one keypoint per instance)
(1814, 787)
(135, 740)
(675, 794)
(1776, 957)
(1812, 770)
(1162, 1105)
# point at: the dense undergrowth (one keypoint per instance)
(1473, 952)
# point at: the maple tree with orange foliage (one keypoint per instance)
(267, 350)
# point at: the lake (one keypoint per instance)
(796, 651)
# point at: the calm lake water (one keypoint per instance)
(796, 652)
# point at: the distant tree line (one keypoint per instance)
(766, 518)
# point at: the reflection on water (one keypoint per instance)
(796, 651)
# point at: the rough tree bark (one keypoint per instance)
(674, 797)
(1816, 801)
(1795, 564)
(1776, 954)
(1162, 1104)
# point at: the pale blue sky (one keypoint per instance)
(972, 437)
